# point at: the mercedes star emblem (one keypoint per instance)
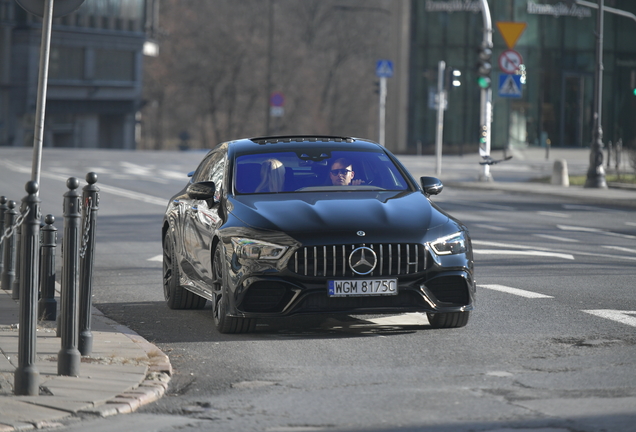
(363, 260)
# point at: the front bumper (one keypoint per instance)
(275, 296)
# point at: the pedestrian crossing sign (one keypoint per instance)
(510, 86)
(384, 69)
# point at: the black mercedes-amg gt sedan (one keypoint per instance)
(277, 226)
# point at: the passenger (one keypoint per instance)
(272, 176)
(342, 174)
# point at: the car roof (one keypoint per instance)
(291, 142)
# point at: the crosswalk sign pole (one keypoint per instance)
(382, 119)
(383, 70)
(485, 117)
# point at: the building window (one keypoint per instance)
(114, 65)
(66, 63)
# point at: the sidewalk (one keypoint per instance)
(516, 175)
(123, 372)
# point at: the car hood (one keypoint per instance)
(382, 215)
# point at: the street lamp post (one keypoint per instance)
(596, 172)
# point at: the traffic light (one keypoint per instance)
(456, 78)
(483, 65)
(483, 135)
(632, 82)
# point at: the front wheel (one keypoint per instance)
(448, 320)
(223, 322)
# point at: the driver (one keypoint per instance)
(341, 173)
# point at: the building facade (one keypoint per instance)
(557, 47)
(95, 73)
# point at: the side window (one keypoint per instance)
(212, 169)
(201, 174)
(217, 174)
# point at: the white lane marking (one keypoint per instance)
(579, 207)
(514, 291)
(623, 317)
(588, 208)
(102, 187)
(525, 253)
(557, 238)
(630, 223)
(553, 214)
(504, 245)
(594, 230)
(141, 170)
(483, 205)
(591, 254)
(621, 249)
(158, 258)
(402, 319)
(134, 195)
(491, 227)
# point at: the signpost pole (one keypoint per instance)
(439, 131)
(382, 119)
(596, 172)
(45, 48)
(485, 116)
(383, 70)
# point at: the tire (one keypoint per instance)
(175, 295)
(448, 320)
(223, 322)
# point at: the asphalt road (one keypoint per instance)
(550, 347)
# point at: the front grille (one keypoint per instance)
(333, 260)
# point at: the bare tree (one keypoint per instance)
(211, 76)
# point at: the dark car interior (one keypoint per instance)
(374, 169)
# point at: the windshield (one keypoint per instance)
(313, 169)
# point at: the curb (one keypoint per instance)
(609, 197)
(152, 388)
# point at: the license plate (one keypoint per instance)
(362, 287)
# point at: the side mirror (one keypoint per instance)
(431, 185)
(201, 191)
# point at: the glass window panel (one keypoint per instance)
(128, 9)
(66, 63)
(114, 65)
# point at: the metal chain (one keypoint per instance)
(87, 227)
(10, 230)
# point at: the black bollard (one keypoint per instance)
(47, 306)
(18, 255)
(3, 209)
(8, 272)
(90, 198)
(27, 377)
(68, 359)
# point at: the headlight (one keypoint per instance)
(255, 249)
(450, 244)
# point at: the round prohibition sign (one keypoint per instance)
(509, 61)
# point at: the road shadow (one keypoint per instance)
(159, 324)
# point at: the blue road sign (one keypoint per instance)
(384, 69)
(510, 86)
(277, 99)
